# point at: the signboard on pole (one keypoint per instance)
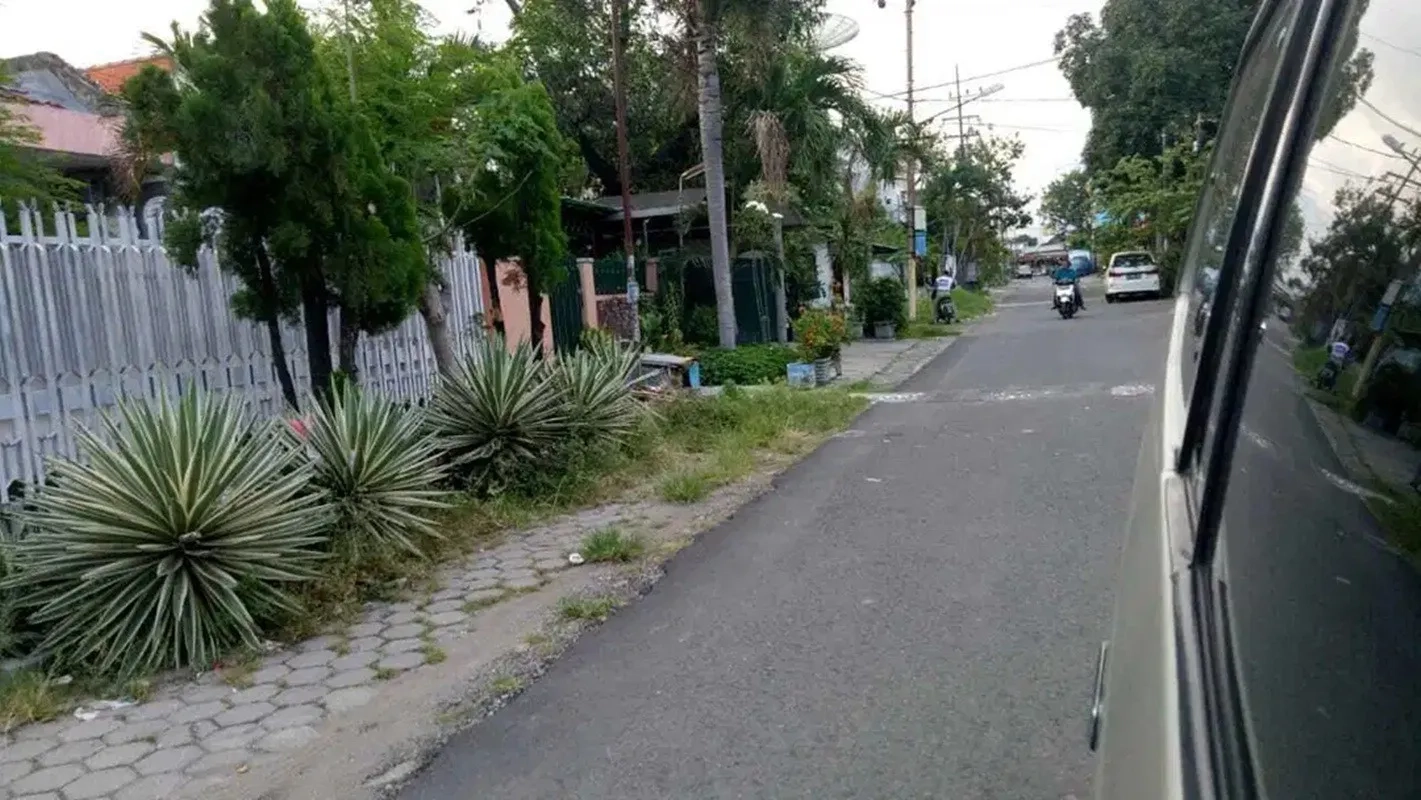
(920, 243)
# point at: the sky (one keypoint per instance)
(974, 37)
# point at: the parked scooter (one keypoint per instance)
(1066, 300)
(944, 310)
(1326, 377)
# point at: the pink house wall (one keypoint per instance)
(513, 303)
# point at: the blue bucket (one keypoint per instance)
(800, 375)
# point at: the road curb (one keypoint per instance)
(1341, 441)
(910, 362)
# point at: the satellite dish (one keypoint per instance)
(835, 30)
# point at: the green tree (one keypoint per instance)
(1150, 203)
(1066, 205)
(1364, 248)
(972, 203)
(276, 172)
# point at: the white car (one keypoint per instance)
(1025, 271)
(1132, 273)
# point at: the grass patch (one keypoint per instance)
(587, 608)
(31, 696)
(971, 305)
(385, 673)
(238, 674)
(610, 544)
(433, 653)
(687, 486)
(507, 684)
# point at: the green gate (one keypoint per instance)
(565, 305)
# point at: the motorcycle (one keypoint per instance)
(944, 310)
(1066, 300)
(1326, 377)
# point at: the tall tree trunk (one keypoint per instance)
(267, 279)
(711, 113)
(433, 306)
(535, 316)
(318, 337)
(349, 341)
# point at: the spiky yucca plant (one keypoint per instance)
(153, 550)
(500, 410)
(377, 467)
(596, 384)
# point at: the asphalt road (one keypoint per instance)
(913, 613)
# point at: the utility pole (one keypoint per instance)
(1374, 352)
(619, 90)
(961, 127)
(912, 178)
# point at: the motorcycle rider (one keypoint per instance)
(1066, 274)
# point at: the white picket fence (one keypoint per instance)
(86, 319)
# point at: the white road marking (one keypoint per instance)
(893, 397)
(1256, 438)
(1132, 390)
(1353, 488)
(1342, 580)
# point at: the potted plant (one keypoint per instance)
(820, 333)
(883, 304)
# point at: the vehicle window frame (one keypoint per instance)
(1216, 757)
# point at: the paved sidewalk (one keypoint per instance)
(1367, 454)
(196, 737)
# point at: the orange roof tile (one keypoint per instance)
(111, 77)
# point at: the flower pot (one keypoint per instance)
(838, 364)
(884, 330)
(800, 375)
(823, 371)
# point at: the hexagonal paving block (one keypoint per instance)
(235, 736)
(364, 643)
(92, 729)
(326, 642)
(305, 677)
(482, 585)
(47, 780)
(347, 699)
(153, 787)
(206, 694)
(314, 658)
(100, 784)
(523, 584)
(197, 712)
(364, 629)
(170, 760)
(401, 661)
(353, 661)
(270, 674)
(69, 753)
(13, 771)
(447, 618)
(293, 716)
(158, 709)
(444, 595)
(443, 606)
(24, 750)
(45, 730)
(299, 695)
(220, 761)
(288, 739)
(122, 755)
(175, 736)
(403, 631)
(551, 564)
(483, 597)
(240, 714)
(351, 677)
(134, 731)
(402, 646)
(255, 694)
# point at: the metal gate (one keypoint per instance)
(565, 304)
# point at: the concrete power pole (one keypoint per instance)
(912, 179)
(961, 128)
(624, 176)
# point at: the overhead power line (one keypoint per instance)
(1007, 71)
(1364, 147)
(1364, 101)
(1396, 47)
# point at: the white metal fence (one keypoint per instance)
(89, 317)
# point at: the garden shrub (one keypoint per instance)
(154, 548)
(883, 301)
(745, 365)
(377, 467)
(702, 326)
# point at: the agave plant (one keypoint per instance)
(596, 384)
(500, 409)
(154, 548)
(377, 467)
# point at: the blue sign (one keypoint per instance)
(1379, 320)
(1102, 219)
(920, 243)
